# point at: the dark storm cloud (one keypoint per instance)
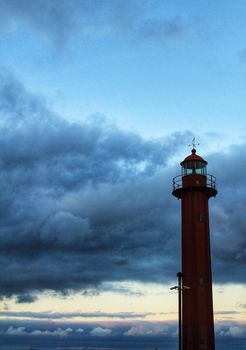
(26, 298)
(58, 20)
(227, 214)
(80, 204)
(83, 204)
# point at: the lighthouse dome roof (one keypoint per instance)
(193, 157)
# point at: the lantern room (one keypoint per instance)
(194, 164)
(194, 177)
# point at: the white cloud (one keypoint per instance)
(79, 330)
(148, 329)
(237, 331)
(16, 331)
(98, 331)
(57, 332)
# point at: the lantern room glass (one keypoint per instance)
(194, 167)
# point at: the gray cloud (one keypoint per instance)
(227, 312)
(90, 293)
(26, 298)
(57, 316)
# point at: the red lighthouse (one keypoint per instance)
(194, 186)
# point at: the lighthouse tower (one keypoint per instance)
(194, 187)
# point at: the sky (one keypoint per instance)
(99, 101)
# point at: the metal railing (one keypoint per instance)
(178, 183)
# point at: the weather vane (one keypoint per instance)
(194, 143)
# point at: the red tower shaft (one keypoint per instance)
(194, 188)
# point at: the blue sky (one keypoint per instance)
(98, 102)
(151, 66)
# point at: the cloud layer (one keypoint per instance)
(111, 335)
(83, 204)
(72, 315)
(80, 204)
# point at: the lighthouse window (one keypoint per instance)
(200, 217)
(194, 167)
(200, 168)
(201, 281)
